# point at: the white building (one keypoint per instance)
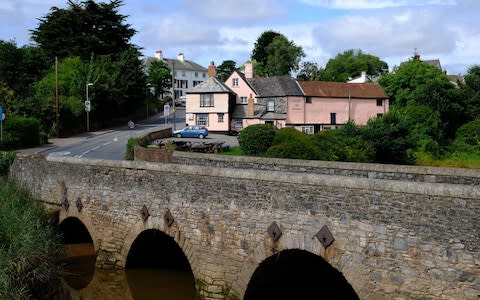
(187, 73)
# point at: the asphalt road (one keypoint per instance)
(111, 143)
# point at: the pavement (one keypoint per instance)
(61, 142)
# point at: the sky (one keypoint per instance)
(219, 30)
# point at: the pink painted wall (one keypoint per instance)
(318, 112)
(242, 90)
(220, 101)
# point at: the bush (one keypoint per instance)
(6, 159)
(291, 143)
(21, 132)
(132, 142)
(256, 139)
(467, 138)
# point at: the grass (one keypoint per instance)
(454, 160)
(233, 151)
(28, 245)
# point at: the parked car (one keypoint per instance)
(191, 131)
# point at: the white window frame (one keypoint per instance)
(206, 100)
(271, 105)
(202, 119)
(220, 117)
(235, 82)
(308, 129)
(243, 100)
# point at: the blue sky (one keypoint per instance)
(218, 30)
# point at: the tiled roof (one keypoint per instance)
(342, 90)
(186, 65)
(433, 62)
(275, 86)
(211, 85)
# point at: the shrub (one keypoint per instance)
(132, 142)
(291, 143)
(6, 159)
(21, 132)
(256, 139)
(467, 138)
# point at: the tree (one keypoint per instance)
(352, 63)
(283, 57)
(259, 53)
(84, 28)
(309, 71)
(274, 55)
(160, 78)
(225, 69)
(471, 93)
(256, 139)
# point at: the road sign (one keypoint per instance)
(166, 109)
(1, 110)
(87, 106)
(131, 125)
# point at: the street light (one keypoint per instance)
(87, 106)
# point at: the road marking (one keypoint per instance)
(59, 153)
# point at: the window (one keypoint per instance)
(271, 105)
(235, 82)
(379, 102)
(196, 74)
(181, 84)
(269, 123)
(183, 73)
(308, 129)
(243, 100)
(202, 119)
(238, 124)
(196, 82)
(204, 75)
(220, 118)
(206, 100)
(333, 118)
(308, 100)
(379, 115)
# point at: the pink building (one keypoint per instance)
(326, 105)
(210, 104)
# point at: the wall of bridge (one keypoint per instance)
(393, 238)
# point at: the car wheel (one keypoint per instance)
(179, 135)
(201, 136)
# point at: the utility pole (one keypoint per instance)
(57, 110)
(173, 95)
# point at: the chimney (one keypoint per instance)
(159, 55)
(248, 70)
(250, 107)
(181, 56)
(212, 70)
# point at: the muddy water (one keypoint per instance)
(83, 281)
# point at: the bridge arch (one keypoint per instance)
(174, 232)
(298, 247)
(84, 224)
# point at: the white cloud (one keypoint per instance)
(234, 10)
(373, 4)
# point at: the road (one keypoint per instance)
(111, 144)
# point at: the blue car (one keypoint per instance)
(191, 131)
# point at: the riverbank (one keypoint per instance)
(28, 247)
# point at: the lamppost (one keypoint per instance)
(87, 105)
(147, 94)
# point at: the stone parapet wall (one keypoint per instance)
(362, 170)
(394, 239)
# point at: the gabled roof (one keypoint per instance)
(211, 85)
(434, 62)
(186, 65)
(329, 89)
(279, 86)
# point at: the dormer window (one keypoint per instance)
(271, 105)
(235, 82)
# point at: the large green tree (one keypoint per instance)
(84, 28)
(274, 55)
(352, 63)
(309, 70)
(159, 77)
(471, 93)
(225, 69)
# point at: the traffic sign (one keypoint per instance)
(1, 110)
(166, 110)
(131, 125)
(87, 106)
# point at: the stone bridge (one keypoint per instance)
(394, 232)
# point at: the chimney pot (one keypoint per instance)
(248, 70)
(212, 70)
(181, 56)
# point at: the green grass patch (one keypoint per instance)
(454, 160)
(233, 151)
(28, 245)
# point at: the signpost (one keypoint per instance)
(87, 109)
(166, 112)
